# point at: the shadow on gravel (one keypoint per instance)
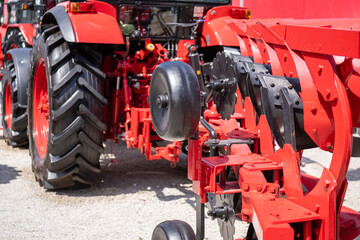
(353, 175)
(132, 173)
(7, 174)
(307, 160)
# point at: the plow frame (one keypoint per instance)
(276, 206)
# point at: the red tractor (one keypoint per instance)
(18, 28)
(89, 83)
(20, 20)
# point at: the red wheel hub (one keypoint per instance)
(8, 105)
(40, 109)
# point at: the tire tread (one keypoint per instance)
(75, 147)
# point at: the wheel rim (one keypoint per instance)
(40, 109)
(8, 105)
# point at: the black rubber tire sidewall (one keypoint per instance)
(183, 91)
(173, 230)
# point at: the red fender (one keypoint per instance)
(215, 30)
(98, 27)
(26, 29)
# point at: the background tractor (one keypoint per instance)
(19, 22)
(88, 83)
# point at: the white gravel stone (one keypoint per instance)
(127, 201)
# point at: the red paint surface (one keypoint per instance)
(40, 109)
(8, 105)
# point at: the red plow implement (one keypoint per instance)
(298, 82)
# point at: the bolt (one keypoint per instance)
(329, 146)
(192, 48)
(317, 208)
(328, 94)
(272, 189)
(245, 217)
(272, 85)
(162, 101)
(271, 199)
(290, 86)
(315, 131)
(277, 96)
(246, 187)
(253, 69)
(307, 213)
(327, 183)
(296, 101)
(213, 12)
(275, 163)
(259, 188)
(282, 191)
(321, 67)
(313, 109)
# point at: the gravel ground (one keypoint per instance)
(127, 201)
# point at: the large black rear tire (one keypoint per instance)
(69, 156)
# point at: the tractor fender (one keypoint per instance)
(21, 59)
(98, 27)
(216, 31)
(26, 29)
